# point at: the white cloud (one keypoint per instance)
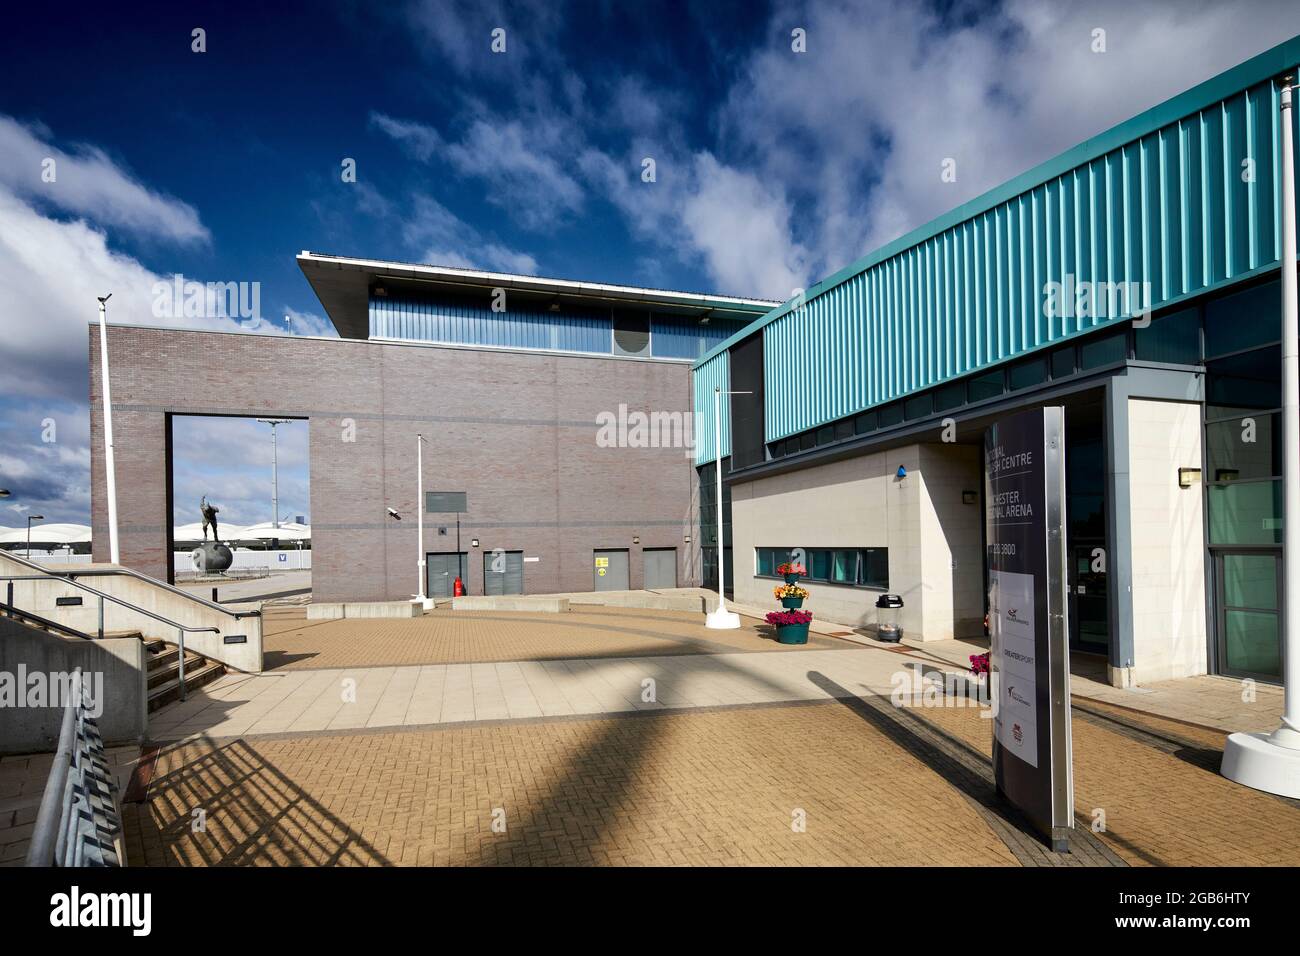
(521, 162)
(859, 125)
(88, 183)
(440, 237)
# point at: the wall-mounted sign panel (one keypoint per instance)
(445, 502)
(1024, 485)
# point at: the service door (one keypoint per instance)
(503, 572)
(610, 571)
(660, 568)
(441, 570)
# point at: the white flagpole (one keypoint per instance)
(720, 619)
(419, 512)
(1271, 762)
(110, 466)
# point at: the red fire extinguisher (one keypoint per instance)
(458, 587)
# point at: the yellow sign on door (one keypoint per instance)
(602, 562)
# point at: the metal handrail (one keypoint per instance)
(131, 572)
(73, 573)
(44, 622)
(45, 832)
(181, 629)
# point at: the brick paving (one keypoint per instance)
(292, 642)
(716, 786)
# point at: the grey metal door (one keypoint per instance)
(503, 572)
(660, 568)
(610, 571)
(441, 570)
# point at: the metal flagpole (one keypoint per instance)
(419, 511)
(1271, 762)
(720, 618)
(110, 466)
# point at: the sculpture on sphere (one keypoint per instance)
(209, 513)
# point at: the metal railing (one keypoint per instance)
(181, 629)
(78, 823)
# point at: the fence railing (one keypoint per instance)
(78, 823)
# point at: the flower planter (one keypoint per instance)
(792, 633)
(792, 602)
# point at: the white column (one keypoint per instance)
(720, 619)
(1271, 762)
(419, 519)
(110, 466)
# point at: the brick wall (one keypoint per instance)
(516, 431)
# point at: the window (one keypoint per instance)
(825, 435)
(918, 406)
(1245, 319)
(851, 567)
(1105, 350)
(1173, 338)
(843, 429)
(866, 422)
(891, 415)
(949, 396)
(1063, 362)
(989, 385)
(1027, 374)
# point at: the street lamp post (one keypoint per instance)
(275, 470)
(423, 598)
(30, 519)
(1271, 762)
(720, 619)
(110, 466)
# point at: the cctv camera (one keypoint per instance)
(394, 514)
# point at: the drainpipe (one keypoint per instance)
(1271, 762)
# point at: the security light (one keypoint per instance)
(901, 473)
(4, 492)
(394, 514)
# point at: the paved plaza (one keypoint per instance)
(480, 739)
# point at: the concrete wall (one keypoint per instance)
(1168, 545)
(934, 541)
(41, 597)
(515, 430)
(115, 665)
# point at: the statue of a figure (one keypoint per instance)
(209, 513)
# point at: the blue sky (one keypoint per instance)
(773, 167)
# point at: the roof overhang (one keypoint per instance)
(343, 286)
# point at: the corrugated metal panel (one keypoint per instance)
(1175, 208)
(715, 373)
(462, 323)
(675, 336)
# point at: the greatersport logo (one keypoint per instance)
(103, 909)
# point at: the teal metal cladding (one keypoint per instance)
(1183, 197)
(715, 373)
(1177, 208)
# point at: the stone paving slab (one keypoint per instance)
(343, 698)
(443, 636)
(831, 782)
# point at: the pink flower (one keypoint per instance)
(979, 664)
(784, 618)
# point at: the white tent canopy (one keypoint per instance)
(288, 531)
(194, 532)
(52, 533)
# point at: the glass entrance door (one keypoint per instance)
(1248, 587)
(1089, 604)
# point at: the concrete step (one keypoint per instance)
(168, 670)
(164, 694)
(154, 646)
